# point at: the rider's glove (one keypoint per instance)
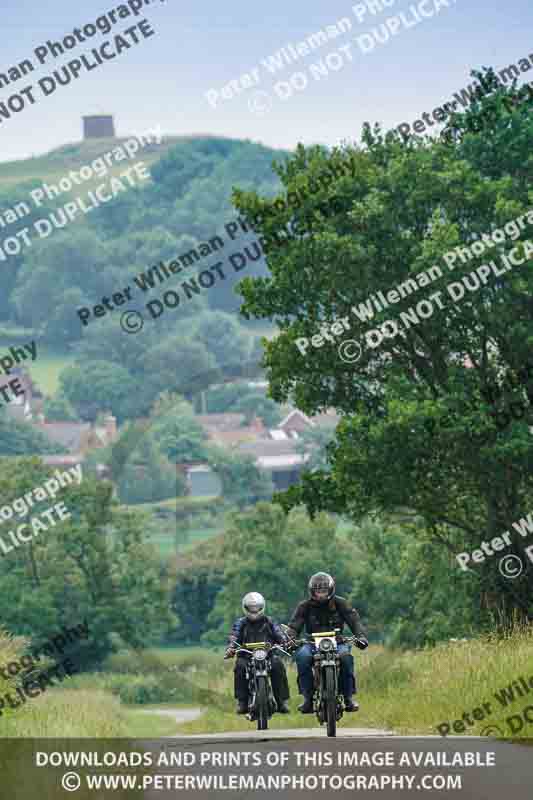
(362, 643)
(230, 652)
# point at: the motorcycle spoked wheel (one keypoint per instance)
(330, 699)
(262, 703)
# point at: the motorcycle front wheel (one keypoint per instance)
(261, 700)
(331, 699)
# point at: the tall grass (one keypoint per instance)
(80, 706)
(413, 692)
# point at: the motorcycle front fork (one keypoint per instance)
(318, 697)
(252, 695)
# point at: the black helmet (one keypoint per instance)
(321, 583)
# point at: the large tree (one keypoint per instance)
(95, 566)
(100, 386)
(19, 438)
(404, 206)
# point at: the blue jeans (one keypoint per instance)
(304, 662)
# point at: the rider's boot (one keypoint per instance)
(350, 704)
(242, 707)
(283, 707)
(307, 706)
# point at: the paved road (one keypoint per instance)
(179, 714)
(188, 714)
(511, 776)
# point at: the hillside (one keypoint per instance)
(185, 201)
(54, 164)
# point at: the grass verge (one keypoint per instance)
(415, 691)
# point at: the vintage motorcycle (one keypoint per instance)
(261, 703)
(328, 700)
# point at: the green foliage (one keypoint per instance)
(243, 483)
(313, 442)
(256, 404)
(93, 566)
(104, 340)
(266, 551)
(416, 594)
(243, 399)
(181, 438)
(223, 337)
(222, 399)
(59, 274)
(177, 365)
(58, 409)
(148, 476)
(403, 207)
(143, 690)
(199, 578)
(20, 438)
(187, 202)
(99, 386)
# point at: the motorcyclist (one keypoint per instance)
(255, 626)
(325, 611)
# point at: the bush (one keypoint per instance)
(193, 505)
(141, 689)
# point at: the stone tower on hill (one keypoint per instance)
(98, 126)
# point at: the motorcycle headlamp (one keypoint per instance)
(325, 645)
(260, 655)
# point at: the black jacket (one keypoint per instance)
(316, 617)
(262, 630)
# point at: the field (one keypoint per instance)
(166, 542)
(93, 704)
(46, 368)
(195, 524)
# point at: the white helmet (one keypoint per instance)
(253, 605)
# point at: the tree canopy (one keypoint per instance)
(405, 205)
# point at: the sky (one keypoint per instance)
(200, 47)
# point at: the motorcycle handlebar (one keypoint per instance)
(279, 647)
(340, 639)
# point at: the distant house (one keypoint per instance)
(296, 422)
(202, 481)
(77, 438)
(278, 458)
(216, 425)
(26, 406)
(274, 451)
